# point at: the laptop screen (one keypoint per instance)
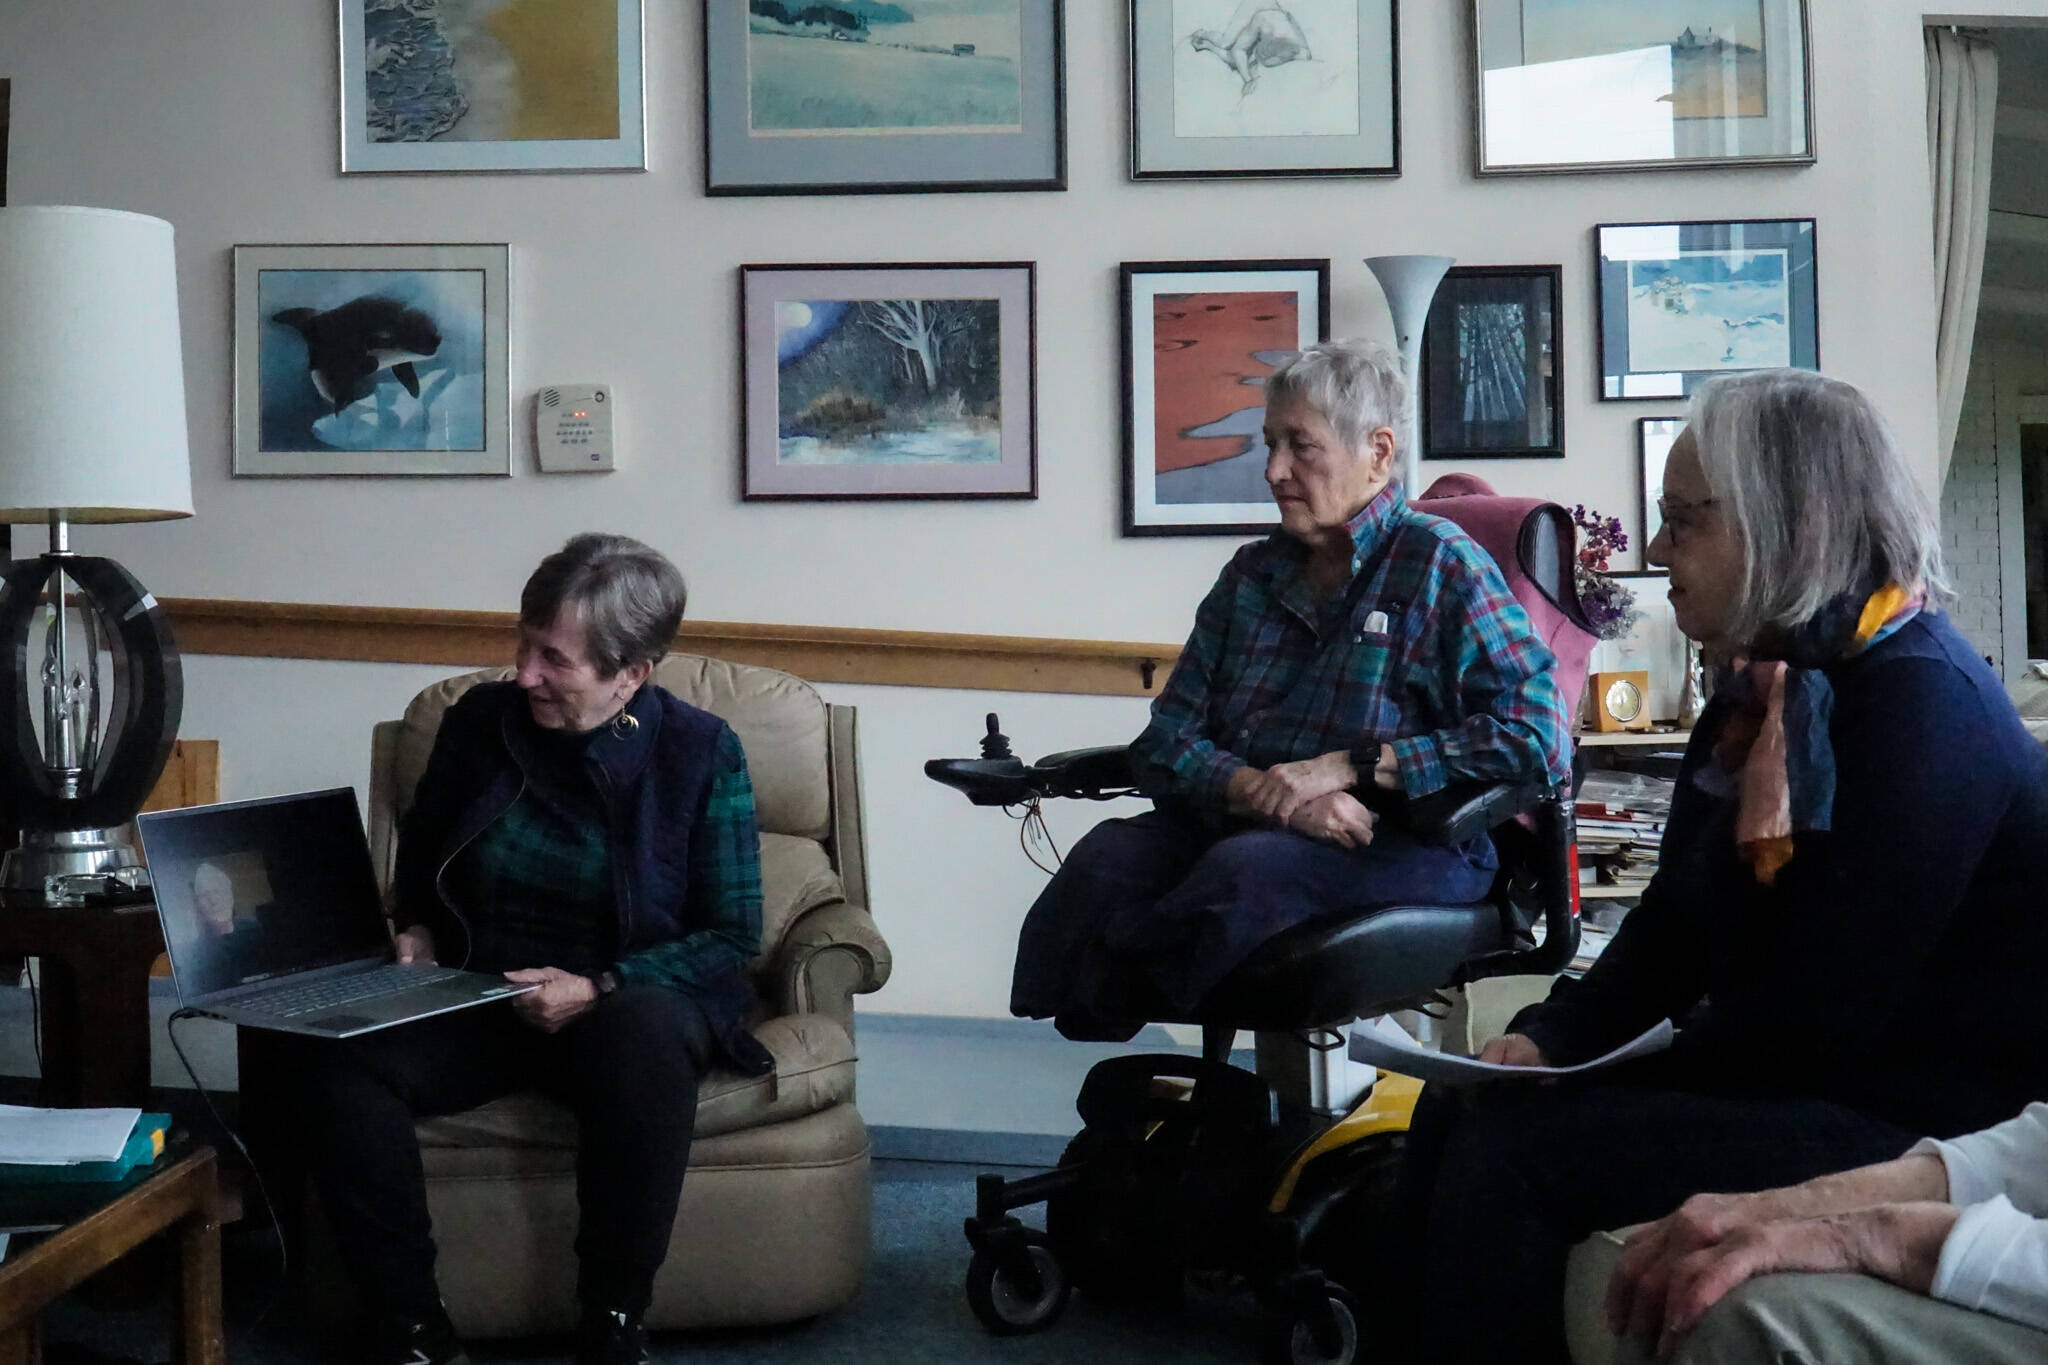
(258, 889)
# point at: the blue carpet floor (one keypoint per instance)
(911, 1310)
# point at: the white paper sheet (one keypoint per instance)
(1385, 1044)
(58, 1137)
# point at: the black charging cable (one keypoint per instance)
(284, 1259)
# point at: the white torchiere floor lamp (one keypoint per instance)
(1410, 282)
(92, 385)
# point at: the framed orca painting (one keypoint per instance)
(371, 359)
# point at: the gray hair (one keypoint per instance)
(628, 595)
(1818, 489)
(1356, 385)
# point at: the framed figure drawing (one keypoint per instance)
(1596, 85)
(1682, 302)
(1491, 354)
(481, 85)
(888, 381)
(1200, 337)
(1654, 436)
(884, 96)
(371, 359)
(1241, 88)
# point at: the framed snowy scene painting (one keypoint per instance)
(888, 381)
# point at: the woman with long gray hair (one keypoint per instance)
(1845, 923)
(589, 835)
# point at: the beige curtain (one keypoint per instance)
(1962, 114)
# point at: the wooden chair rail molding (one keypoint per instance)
(899, 658)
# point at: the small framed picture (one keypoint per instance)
(1491, 356)
(1594, 85)
(888, 381)
(1200, 337)
(1227, 88)
(1683, 302)
(1654, 437)
(872, 97)
(480, 85)
(372, 359)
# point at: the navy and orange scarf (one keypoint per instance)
(1773, 754)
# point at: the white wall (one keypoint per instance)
(220, 116)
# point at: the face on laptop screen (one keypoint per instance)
(253, 890)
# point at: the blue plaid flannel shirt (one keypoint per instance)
(1425, 649)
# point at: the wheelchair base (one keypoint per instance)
(1183, 1167)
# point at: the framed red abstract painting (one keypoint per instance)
(1200, 337)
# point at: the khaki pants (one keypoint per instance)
(1806, 1320)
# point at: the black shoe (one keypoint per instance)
(609, 1337)
(427, 1340)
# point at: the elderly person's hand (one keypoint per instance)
(1640, 1286)
(561, 997)
(1276, 793)
(1513, 1049)
(1335, 817)
(1896, 1242)
(414, 946)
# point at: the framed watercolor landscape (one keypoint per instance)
(482, 85)
(1244, 88)
(884, 96)
(1595, 85)
(371, 359)
(1682, 302)
(888, 381)
(1200, 337)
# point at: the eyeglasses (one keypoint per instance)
(1684, 520)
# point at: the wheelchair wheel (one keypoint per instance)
(1011, 1302)
(1293, 1341)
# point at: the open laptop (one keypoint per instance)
(272, 919)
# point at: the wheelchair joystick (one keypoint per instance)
(995, 744)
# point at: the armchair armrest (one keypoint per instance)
(829, 955)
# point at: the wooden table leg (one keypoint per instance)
(22, 1345)
(199, 1301)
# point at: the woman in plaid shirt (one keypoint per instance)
(1362, 642)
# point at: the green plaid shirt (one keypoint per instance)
(538, 881)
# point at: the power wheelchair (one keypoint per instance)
(1197, 1166)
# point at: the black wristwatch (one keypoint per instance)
(607, 982)
(1365, 756)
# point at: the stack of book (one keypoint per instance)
(1620, 825)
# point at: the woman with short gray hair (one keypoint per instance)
(1848, 883)
(591, 836)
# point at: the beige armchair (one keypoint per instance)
(774, 1219)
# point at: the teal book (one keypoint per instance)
(145, 1144)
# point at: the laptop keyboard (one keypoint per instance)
(308, 997)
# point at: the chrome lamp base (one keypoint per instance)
(48, 853)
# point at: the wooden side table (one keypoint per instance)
(100, 1225)
(95, 995)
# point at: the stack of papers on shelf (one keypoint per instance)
(54, 1137)
(77, 1144)
(1620, 819)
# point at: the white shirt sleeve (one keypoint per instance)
(1996, 1261)
(2009, 1159)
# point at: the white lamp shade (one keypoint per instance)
(92, 373)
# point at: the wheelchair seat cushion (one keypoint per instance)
(1331, 971)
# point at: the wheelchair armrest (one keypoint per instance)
(1098, 772)
(1556, 892)
(1462, 811)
